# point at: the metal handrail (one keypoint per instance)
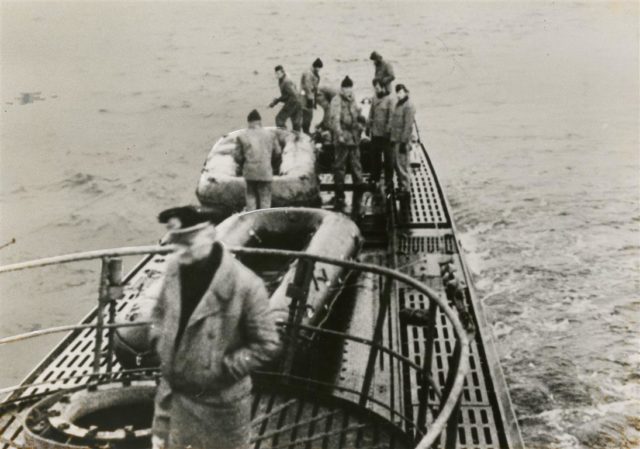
(68, 328)
(454, 393)
(89, 255)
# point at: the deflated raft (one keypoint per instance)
(314, 231)
(295, 183)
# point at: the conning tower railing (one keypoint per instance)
(445, 415)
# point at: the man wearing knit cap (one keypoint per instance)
(347, 125)
(257, 152)
(211, 326)
(292, 108)
(402, 119)
(309, 92)
(383, 71)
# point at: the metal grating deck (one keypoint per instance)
(477, 426)
(295, 422)
(427, 200)
(426, 238)
(72, 361)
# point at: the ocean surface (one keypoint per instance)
(528, 109)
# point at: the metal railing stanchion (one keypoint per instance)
(452, 423)
(103, 301)
(298, 291)
(385, 300)
(114, 293)
(423, 395)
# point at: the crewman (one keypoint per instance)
(402, 119)
(292, 109)
(325, 95)
(211, 327)
(347, 125)
(258, 154)
(379, 127)
(383, 71)
(309, 91)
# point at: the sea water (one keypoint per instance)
(528, 109)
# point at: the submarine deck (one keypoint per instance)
(418, 242)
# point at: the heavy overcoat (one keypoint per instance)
(380, 115)
(203, 396)
(257, 152)
(384, 73)
(309, 88)
(402, 119)
(344, 113)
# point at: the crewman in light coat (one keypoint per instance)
(292, 109)
(212, 326)
(325, 95)
(257, 153)
(402, 119)
(383, 71)
(379, 127)
(346, 125)
(309, 91)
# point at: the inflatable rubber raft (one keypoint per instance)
(295, 183)
(314, 231)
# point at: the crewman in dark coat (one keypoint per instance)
(402, 120)
(379, 127)
(257, 153)
(212, 326)
(383, 71)
(289, 96)
(346, 126)
(309, 91)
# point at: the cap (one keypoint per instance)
(188, 215)
(400, 87)
(346, 82)
(318, 63)
(254, 116)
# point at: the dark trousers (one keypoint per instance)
(307, 118)
(258, 195)
(381, 148)
(290, 111)
(346, 154)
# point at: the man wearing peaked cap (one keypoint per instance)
(211, 326)
(346, 125)
(309, 93)
(257, 153)
(383, 71)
